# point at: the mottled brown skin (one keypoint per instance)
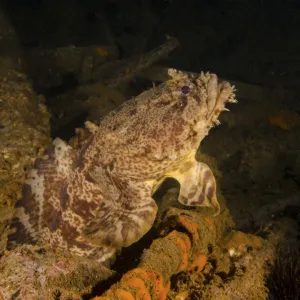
(99, 199)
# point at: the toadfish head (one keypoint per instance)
(173, 118)
(198, 101)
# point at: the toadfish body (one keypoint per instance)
(98, 199)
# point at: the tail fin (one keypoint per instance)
(43, 193)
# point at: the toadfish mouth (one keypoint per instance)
(211, 96)
(218, 94)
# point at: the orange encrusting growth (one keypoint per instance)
(199, 263)
(201, 260)
(284, 119)
(138, 284)
(192, 228)
(184, 244)
(101, 51)
(145, 282)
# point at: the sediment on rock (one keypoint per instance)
(24, 124)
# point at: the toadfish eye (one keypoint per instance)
(185, 90)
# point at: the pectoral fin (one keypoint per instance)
(197, 185)
(124, 221)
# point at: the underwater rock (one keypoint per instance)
(284, 280)
(24, 134)
(24, 123)
(249, 272)
(31, 272)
